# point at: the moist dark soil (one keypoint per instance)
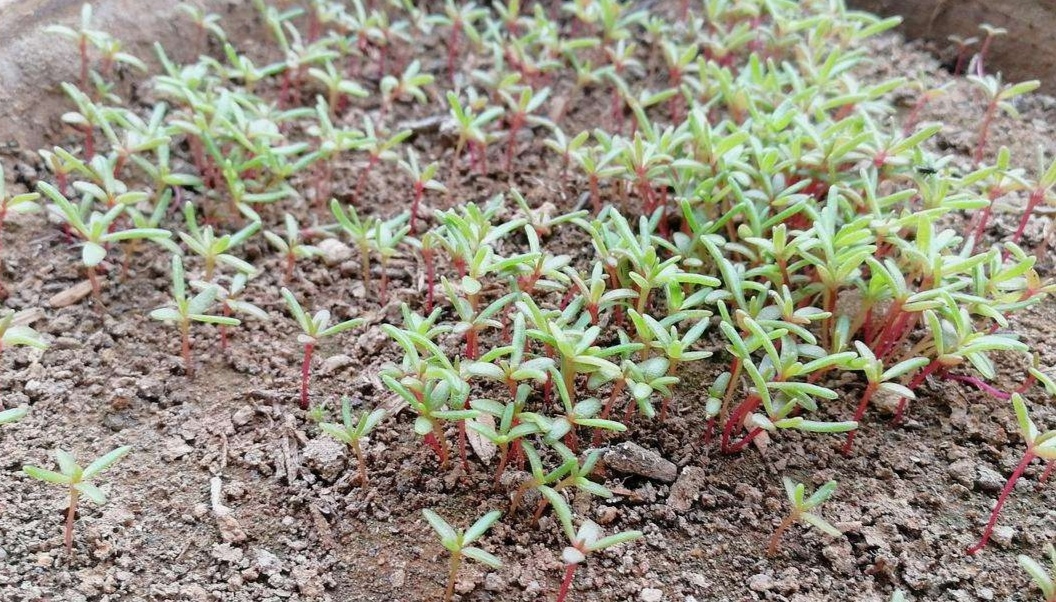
(232, 494)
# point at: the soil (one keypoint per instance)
(232, 495)
(1025, 52)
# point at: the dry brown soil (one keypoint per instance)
(232, 495)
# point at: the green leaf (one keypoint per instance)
(343, 326)
(46, 475)
(92, 492)
(67, 464)
(13, 414)
(166, 314)
(561, 509)
(482, 557)
(481, 526)
(821, 524)
(106, 461)
(1038, 575)
(1026, 425)
(92, 254)
(221, 320)
(613, 540)
(448, 537)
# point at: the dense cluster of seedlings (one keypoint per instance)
(757, 208)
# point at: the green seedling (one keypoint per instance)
(229, 298)
(313, 329)
(457, 543)
(1039, 445)
(97, 232)
(291, 246)
(17, 203)
(801, 511)
(77, 480)
(215, 249)
(15, 331)
(13, 414)
(582, 542)
(184, 310)
(424, 179)
(1039, 575)
(351, 430)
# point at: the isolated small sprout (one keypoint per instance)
(215, 249)
(97, 232)
(313, 329)
(229, 297)
(184, 310)
(458, 544)
(77, 480)
(801, 511)
(1039, 575)
(291, 246)
(351, 430)
(15, 331)
(582, 542)
(16, 203)
(1039, 445)
(13, 414)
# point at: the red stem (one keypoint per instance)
(858, 414)
(1009, 484)
(570, 571)
(913, 384)
(306, 366)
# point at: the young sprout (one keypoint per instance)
(184, 310)
(291, 246)
(13, 415)
(458, 544)
(14, 331)
(583, 542)
(424, 179)
(77, 480)
(998, 96)
(229, 298)
(213, 249)
(313, 329)
(351, 431)
(1039, 445)
(388, 234)
(1041, 577)
(800, 511)
(97, 232)
(18, 203)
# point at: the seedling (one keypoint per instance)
(184, 310)
(313, 329)
(998, 96)
(215, 249)
(13, 414)
(458, 544)
(1039, 445)
(18, 203)
(229, 298)
(97, 232)
(582, 542)
(77, 479)
(1039, 575)
(424, 179)
(801, 511)
(351, 430)
(388, 234)
(15, 331)
(291, 246)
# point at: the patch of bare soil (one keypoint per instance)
(231, 494)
